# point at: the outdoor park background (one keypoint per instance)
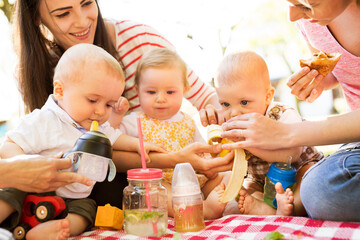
(203, 31)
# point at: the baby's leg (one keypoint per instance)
(285, 200)
(6, 210)
(211, 184)
(213, 208)
(72, 225)
(169, 195)
(252, 205)
(51, 230)
(251, 199)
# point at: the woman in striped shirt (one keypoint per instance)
(44, 29)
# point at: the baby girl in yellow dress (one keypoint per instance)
(161, 81)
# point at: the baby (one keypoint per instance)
(87, 83)
(243, 86)
(161, 81)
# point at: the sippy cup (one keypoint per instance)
(187, 201)
(145, 203)
(91, 156)
(278, 172)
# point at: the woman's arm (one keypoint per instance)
(278, 155)
(255, 130)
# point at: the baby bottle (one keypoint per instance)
(145, 203)
(187, 201)
(278, 172)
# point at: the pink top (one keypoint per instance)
(347, 71)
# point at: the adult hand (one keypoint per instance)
(195, 154)
(211, 115)
(254, 130)
(34, 173)
(306, 85)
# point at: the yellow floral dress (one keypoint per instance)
(173, 136)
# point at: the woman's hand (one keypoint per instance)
(211, 115)
(195, 154)
(35, 173)
(306, 85)
(254, 130)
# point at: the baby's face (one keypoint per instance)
(243, 96)
(161, 92)
(92, 97)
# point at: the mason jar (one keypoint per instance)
(145, 203)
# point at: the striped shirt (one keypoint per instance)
(132, 41)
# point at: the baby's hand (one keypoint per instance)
(119, 110)
(211, 115)
(152, 147)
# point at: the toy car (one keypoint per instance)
(39, 209)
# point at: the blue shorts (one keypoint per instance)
(330, 190)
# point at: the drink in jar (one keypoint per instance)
(141, 222)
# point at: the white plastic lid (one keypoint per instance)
(184, 182)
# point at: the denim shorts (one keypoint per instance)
(330, 190)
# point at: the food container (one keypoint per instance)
(145, 203)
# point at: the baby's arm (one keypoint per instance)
(131, 144)
(10, 149)
(119, 110)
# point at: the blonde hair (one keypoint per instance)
(75, 60)
(245, 63)
(161, 58)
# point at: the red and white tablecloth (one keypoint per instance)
(250, 227)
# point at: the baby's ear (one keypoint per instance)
(270, 94)
(58, 89)
(186, 88)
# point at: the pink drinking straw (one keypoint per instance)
(143, 163)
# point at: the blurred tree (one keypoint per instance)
(7, 7)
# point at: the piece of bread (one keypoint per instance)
(323, 62)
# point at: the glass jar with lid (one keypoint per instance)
(145, 203)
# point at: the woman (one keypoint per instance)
(330, 189)
(44, 29)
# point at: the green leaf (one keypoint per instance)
(274, 236)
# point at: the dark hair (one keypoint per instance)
(36, 65)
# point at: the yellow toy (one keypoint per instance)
(109, 217)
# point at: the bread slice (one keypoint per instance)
(323, 62)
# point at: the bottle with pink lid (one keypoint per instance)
(145, 203)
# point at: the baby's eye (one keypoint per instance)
(109, 105)
(170, 92)
(151, 92)
(92, 100)
(244, 102)
(225, 104)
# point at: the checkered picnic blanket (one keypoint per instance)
(249, 227)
